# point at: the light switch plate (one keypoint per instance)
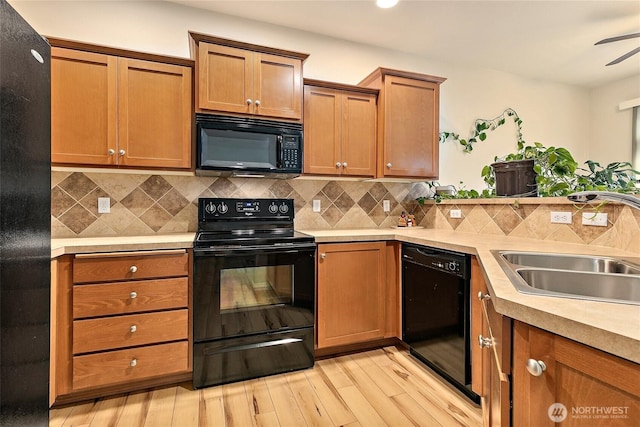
(598, 219)
(104, 205)
(316, 206)
(455, 213)
(386, 206)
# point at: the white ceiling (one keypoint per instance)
(547, 40)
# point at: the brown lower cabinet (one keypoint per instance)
(119, 322)
(578, 386)
(358, 293)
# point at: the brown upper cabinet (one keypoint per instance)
(408, 116)
(339, 129)
(241, 78)
(111, 107)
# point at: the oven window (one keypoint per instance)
(255, 287)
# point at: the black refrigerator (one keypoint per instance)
(25, 221)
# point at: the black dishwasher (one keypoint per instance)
(436, 311)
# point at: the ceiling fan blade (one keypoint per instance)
(625, 56)
(618, 38)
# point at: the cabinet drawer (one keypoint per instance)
(120, 366)
(127, 331)
(107, 268)
(500, 332)
(129, 297)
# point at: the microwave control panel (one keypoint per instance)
(291, 157)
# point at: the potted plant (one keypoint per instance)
(536, 170)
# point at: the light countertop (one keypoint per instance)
(612, 327)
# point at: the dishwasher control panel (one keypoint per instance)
(438, 259)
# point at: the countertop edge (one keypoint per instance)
(538, 311)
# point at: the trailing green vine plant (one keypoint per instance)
(557, 171)
(480, 128)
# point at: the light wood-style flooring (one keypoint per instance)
(384, 387)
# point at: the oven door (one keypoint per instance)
(251, 290)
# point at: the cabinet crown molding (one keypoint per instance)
(199, 37)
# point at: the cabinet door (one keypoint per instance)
(83, 107)
(595, 388)
(351, 293)
(322, 124)
(225, 79)
(154, 114)
(410, 133)
(358, 134)
(277, 84)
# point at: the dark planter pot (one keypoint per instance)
(515, 178)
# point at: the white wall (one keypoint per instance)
(611, 135)
(552, 114)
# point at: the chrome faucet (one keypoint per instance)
(588, 196)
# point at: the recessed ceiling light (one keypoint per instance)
(386, 4)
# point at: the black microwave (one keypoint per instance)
(237, 146)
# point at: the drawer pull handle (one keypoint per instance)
(484, 342)
(133, 328)
(133, 295)
(133, 269)
(536, 367)
(482, 296)
(323, 256)
(133, 362)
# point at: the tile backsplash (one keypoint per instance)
(157, 204)
(143, 204)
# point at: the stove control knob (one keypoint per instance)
(223, 208)
(453, 266)
(284, 208)
(273, 208)
(210, 208)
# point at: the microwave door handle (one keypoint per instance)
(279, 159)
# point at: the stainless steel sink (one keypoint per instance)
(593, 286)
(571, 262)
(595, 278)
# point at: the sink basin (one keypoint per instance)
(571, 262)
(595, 278)
(582, 285)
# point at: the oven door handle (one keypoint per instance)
(243, 250)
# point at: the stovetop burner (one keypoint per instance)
(224, 221)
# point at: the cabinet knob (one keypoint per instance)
(323, 256)
(133, 328)
(121, 152)
(484, 342)
(388, 165)
(257, 102)
(133, 269)
(344, 165)
(482, 296)
(133, 295)
(249, 101)
(536, 367)
(133, 362)
(338, 164)
(111, 151)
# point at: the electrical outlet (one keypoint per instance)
(386, 206)
(104, 204)
(316, 206)
(598, 219)
(455, 213)
(561, 217)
